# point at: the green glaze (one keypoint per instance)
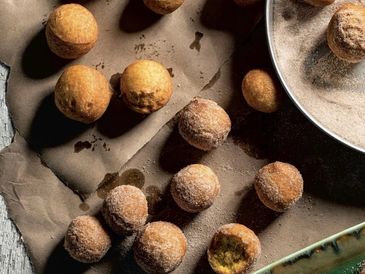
(342, 253)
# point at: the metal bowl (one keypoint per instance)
(290, 91)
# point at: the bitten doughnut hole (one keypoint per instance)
(233, 249)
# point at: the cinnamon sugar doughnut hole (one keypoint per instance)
(194, 188)
(204, 124)
(160, 247)
(86, 239)
(233, 249)
(346, 33)
(279, 186)
(125, 209)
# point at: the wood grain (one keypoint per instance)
(13, 257)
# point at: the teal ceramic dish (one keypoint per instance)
(342, 253)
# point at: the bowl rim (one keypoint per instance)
(267, 269)
(274, 60)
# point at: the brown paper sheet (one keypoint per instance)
(42, 206)
(128, 31)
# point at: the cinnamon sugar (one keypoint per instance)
(331, 90)
(125, 209)
(160, 247)
(195, 187)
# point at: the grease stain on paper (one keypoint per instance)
(132, 177)
(170, 70)
(196, 43)
(139, 48)
(154, 198)
(93, 144)
(81, 145)
(100, 65)
(84, 206)
(153, 49)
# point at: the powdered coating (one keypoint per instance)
(329, 89)
(204, 124)
(71, 31)
(195, 187)
(248, 243)
(279, 185)
(163, 6)
(346, 33)
(160, 247)
(86, 240)
(125, 209)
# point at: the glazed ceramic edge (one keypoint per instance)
(291, 259)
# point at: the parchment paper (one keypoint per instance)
(128, 31)
(42, 206)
